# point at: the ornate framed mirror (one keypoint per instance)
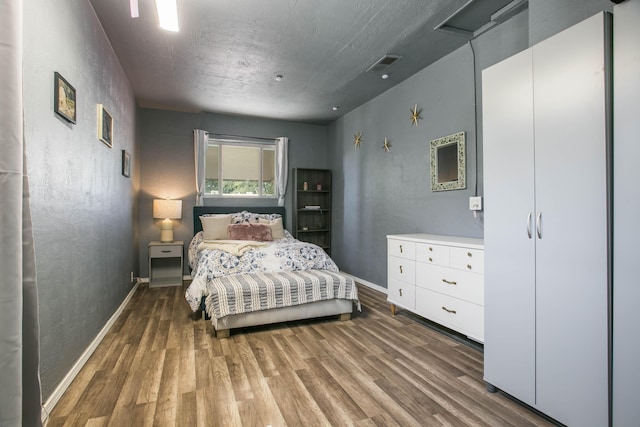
(448, 163)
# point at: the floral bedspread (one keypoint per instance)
(288, 254)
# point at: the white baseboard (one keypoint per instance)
(367, 283)
(75, 369)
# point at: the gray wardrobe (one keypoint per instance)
(547, 139)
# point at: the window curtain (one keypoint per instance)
(282, 149)
(21, 401)
(200, 140)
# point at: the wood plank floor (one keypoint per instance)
(158, 366)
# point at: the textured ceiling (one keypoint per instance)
(227, 53)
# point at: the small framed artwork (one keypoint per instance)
(64, 96)
(105, 126)
(126, 163)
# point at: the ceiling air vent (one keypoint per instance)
(383, 62)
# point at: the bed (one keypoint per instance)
(250, 271)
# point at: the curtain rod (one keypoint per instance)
(259, 138)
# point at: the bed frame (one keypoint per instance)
(336, 307)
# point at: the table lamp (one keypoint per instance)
(167, 210)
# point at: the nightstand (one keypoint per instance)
(165, 264)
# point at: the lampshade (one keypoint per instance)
(163, 209)
(167, 209)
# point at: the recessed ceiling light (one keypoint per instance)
(385, 76)
(279, 78)
(336, 108)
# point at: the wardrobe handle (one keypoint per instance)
(400, 248)
(450, 282)
(400, 292)
(400, 269)
(539, 225)
(529, 225)
(448, 311)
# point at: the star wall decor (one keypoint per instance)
(357, 139)
(386, 146)
(415, 115)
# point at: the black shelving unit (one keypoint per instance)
(312, 203)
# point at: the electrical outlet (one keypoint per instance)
(475, 203)
(132, 278)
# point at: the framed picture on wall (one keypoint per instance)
(105, 126)
(64, 95)
(126, 164)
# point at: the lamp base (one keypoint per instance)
(166, 231)
(166, 236)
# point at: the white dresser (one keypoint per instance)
(440, 278)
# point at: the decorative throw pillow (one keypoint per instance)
(269, 216)
(214, 227)
(244, 217)
(249, 231)
(277, 230)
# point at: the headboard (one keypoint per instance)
(201, 210)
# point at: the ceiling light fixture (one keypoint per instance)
(385, 76)
(279, 78)
(134, 8)
(168, 14)
(336, 108)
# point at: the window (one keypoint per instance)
(240, 169)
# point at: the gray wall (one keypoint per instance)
(167, 163)
(380, 193)
(84, 210)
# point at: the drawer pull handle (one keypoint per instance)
(400, 248)
(400, 269)
(430, 259)
(430, 249)
(469, 267)
(449, 282)
(469, 254)
(400, 292)
(165, 251)
(448, 311)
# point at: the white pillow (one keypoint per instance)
(277, 230)
(215, 227)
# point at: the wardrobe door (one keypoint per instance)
(570, 110)
(626, 176)
(507, 108)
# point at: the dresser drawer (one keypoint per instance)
(468, 259)
(456, 283)
(402, 294)
(401, 249)
(461, 316)
(167, 251)
(432, 254)
(401, 269)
